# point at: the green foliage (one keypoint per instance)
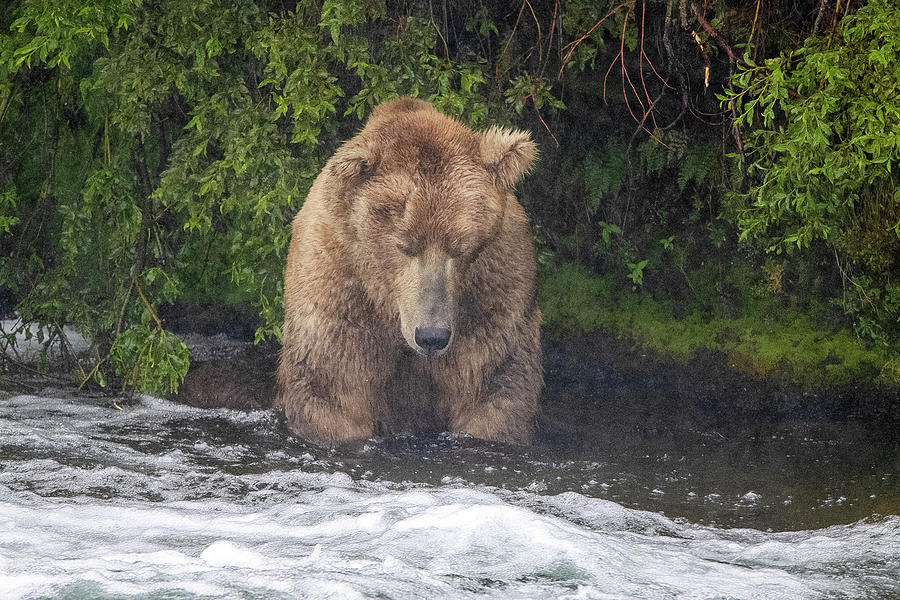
(586, 17)
(608, 230)
(537, 89)
(826, 156)
(636, 274)
(152, 360)
(157, 152)
(700, 164)
(604, 171)
(652, 156)
(573, 300)
(54, 34)
(7, 211)
(481, 22)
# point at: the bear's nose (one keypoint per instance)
(432, 339)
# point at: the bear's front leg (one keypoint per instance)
(502, 407)
(331, 396)
(324, 420)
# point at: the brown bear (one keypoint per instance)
(410, 286)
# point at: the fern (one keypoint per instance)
(604, 171)
(698, 165)
(652, 156)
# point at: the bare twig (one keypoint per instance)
(4, 100)
(670, 65)
(641, 57)
(550, 41)
(438, 29)
(4, 379)
(819, 13)
(86, 378)
(641, 127)
(574, 44)
(755, 19)
(837, 9)
(513, 32)
(714, 34)
(540, 37)
(125, 305)
(653, 68)
(626, 76)
(544, 123)
(67, 347)
(866, 297)
(606, 75)
(147, 305)
(11, 345)
(732, 62)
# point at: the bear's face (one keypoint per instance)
(425, 230)
(425, 198)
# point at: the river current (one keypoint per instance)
(152, 499)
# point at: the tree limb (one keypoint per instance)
(714, 34)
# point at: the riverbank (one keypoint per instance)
(595, 344)
(761, 341)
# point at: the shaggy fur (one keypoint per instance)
(413, 224)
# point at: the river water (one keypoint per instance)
(152, 499)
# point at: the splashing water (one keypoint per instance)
(165, 501)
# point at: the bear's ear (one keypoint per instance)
(353, 164)
(507, 154)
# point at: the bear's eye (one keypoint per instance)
(387, 209)
(383, 212)
(405, 249)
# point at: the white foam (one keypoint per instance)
(224, 553)
(88, 507)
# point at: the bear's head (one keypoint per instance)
(423, 199)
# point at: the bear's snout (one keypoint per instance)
(427, 302)
(432, 339)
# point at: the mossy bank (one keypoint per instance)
(764, 340)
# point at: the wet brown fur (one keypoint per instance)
(413, 222)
